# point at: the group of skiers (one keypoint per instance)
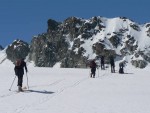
(93, 66)
(20, 65)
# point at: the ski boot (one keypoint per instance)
(20, 89)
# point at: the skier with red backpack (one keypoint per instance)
(19, 71)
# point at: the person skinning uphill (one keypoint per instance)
(102, 63)
(19, 71)
(93, 68)
(112, 64)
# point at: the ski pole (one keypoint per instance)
(12, 84)
(98, 71)
(27, 81)
(89, 72)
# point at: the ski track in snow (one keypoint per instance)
(61, 89)
(58, 92)
(48, 93)
(12, 92)
(54, 83)
(8, 94)
(47, 98)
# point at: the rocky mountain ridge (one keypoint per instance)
(75, 41)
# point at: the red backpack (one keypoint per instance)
(18, 62)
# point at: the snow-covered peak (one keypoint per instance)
(76, 40)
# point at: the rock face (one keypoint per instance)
(17, 50)
(46, 51)
(139, 63)
(75, 41)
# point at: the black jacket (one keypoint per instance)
(23, 65)
(18, 70)
(112, 62)
(93, 64)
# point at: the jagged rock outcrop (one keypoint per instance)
(47, 49)
(74, 41)
(17, 50)
(59, 35)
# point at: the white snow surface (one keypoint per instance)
(59, 90)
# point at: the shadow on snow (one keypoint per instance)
(38, 91)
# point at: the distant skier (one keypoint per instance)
(102, 63)
(19, 71)
(93, 68)
(121, 67)
(121, 71)
(112, 63)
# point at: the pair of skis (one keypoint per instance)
(14, 81)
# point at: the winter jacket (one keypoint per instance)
(92, 64)
(112, 62)
(23, 65)
(18, 70)
(102, 60)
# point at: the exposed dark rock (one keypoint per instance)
(65, 41)
(135, 27)
(147, 25)
(148, 32)
(46, 51)
(123, 18)
(98, 48)
(115, 40)
(17, 50)
(130, 44)
(139, 63)
(52, 25)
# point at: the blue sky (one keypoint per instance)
(22, 19)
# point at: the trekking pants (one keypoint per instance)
(20, 80)
(93, 71)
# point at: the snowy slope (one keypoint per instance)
(3, 56)
(126, 37)
(115, 25)
(58, 90)
(3, 59)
